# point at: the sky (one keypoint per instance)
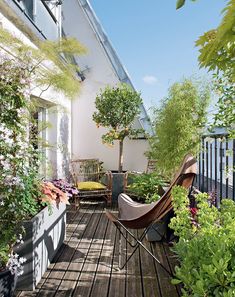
(155, 42)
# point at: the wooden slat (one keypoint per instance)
(58, 273)
(118, 277)
(133, 285)
(80, 245)
(172, 262)
(103, 273)
(86, 279)
(87, 265)
(150, 281)
(166, 287)
(73, 218)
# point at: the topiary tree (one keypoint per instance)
(178, 125)
(117, 108)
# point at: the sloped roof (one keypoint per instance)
(118, 67)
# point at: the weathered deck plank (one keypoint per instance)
(164, 279)
(134, 284)
(87, 264)
(150, 280)
(103, 272)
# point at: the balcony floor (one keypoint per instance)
(87, 263)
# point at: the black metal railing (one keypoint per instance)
(216, 173)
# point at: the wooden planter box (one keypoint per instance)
(45, 234)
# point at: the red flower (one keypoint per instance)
(193, 211)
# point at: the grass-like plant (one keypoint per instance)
(178, 123)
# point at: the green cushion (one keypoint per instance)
(88, 186)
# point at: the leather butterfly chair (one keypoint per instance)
(134, 215)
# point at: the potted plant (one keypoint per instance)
(44, 235)
(117, 108)
(23, 198)
(19, 186)
(148, 188)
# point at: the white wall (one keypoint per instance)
(86, 137)
(58, 114)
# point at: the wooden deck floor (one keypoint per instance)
(87, 263)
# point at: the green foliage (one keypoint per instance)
(61, 75)
(145, 186)
(217, 47)
(117, 108)
(180, 3)
(19, 185)
(217, 52)
(205, 247)
(225, 89)
(178, 125)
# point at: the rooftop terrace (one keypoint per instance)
(87, 263)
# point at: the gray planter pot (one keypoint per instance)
(156, 232)
(118, 185)
(159, 229)
(7, 283)
(45, 234)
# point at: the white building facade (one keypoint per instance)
(32, 21)
(100, 67)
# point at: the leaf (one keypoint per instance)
(180, 3)
(175, 281)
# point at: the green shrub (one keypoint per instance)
(205, 249)
(145, 186)
(178, 125)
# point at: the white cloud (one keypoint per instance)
(150, 79)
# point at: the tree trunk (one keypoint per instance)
(120, 164)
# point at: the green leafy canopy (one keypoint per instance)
(117, 108)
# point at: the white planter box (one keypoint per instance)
(45, 234)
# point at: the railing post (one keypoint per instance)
(221, 170)
(211, 168)
(215, 149)
(226, 165)
(207, 168)
(203, 164)
(233, 169)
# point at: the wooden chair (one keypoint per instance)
(91, 180)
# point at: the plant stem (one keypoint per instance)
(120, 166)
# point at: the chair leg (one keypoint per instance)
(139, 243)
(76, 202)
(126, 237)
